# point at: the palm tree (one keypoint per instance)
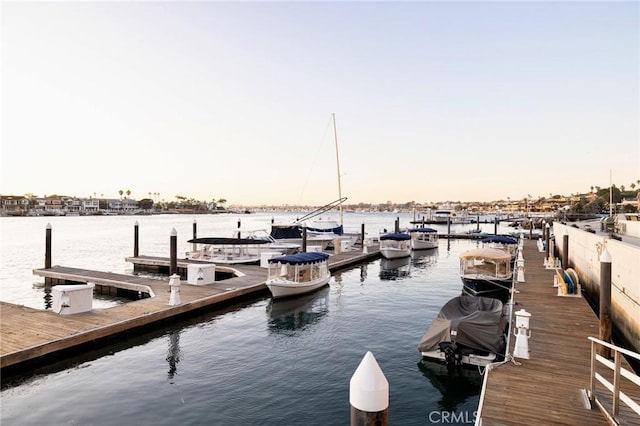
(128, 193)
(121, 192)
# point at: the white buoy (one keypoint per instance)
(174, 283)
(368, 393)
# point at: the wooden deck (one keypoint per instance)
(546, 389)
(29, 334)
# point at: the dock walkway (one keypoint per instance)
(546, 389)
(29, 334)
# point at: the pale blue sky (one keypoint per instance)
(434, 101)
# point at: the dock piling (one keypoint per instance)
(173, 255)
(195, 235)
(565, 250)
(47, 247)
(369, 394)
(605, 302)
(136, 247)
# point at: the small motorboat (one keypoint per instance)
(226, 250)
(395, 244)
(297, 274)
(423, 238)
(486, 272)
(467, 330)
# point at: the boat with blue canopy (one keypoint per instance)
(395, 244)
(297, 274)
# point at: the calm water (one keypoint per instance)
(260, 362)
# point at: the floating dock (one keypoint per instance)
(31, 335)
(548, 387)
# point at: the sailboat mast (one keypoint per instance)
(335, 136)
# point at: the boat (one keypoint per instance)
(297, 274)
(502, 242)
(423, 238)
(486, 272)
(294, 234)
(226, 250)
(271, 244)
(468, 330)
(395, 244)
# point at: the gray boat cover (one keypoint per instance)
(478, 321)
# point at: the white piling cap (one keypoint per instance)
(48, 225)
(605, 257)
(136, 224)
(368, 388)
(174, 232)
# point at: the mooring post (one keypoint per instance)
(547, 227)
(478, 223)
(605, 302)
(397, 227)
(47, 247)
(194, 247)
(495, 225)
(362, 233)
(173, 255)
(136, 235)
(449, 227)
(239, 225)
(565, 250)
(304, 239)
(369, 394)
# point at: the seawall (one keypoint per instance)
(584, 250)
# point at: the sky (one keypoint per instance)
(433, 101)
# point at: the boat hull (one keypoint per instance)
(469, 359)
(487, 287)
(423, 244)
(395, 253)
(283, 288)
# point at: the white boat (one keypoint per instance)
(486, 272)
(294, 234)
(271, 243)
(225, 250)
(394, 245)
(297, 274)
(423, 238)
(467, 330)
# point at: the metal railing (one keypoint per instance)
(618, 372)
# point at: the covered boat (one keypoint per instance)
(467, 330)
(394, 245)
(486, 272)
(423, 238)
(298, 273)
(502, 242)
(226, 250)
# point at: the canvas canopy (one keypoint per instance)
(503, 239)
(300, 258)
(397, 236)
(478, 323)
(428, 230)
(491, 254)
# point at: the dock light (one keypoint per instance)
(522, 334)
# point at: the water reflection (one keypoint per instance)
(395, 269)
(173, 354)
(297, 312)
(456, 383)
(423, 259)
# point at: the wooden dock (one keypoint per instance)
(547, 388)
(31, 335)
